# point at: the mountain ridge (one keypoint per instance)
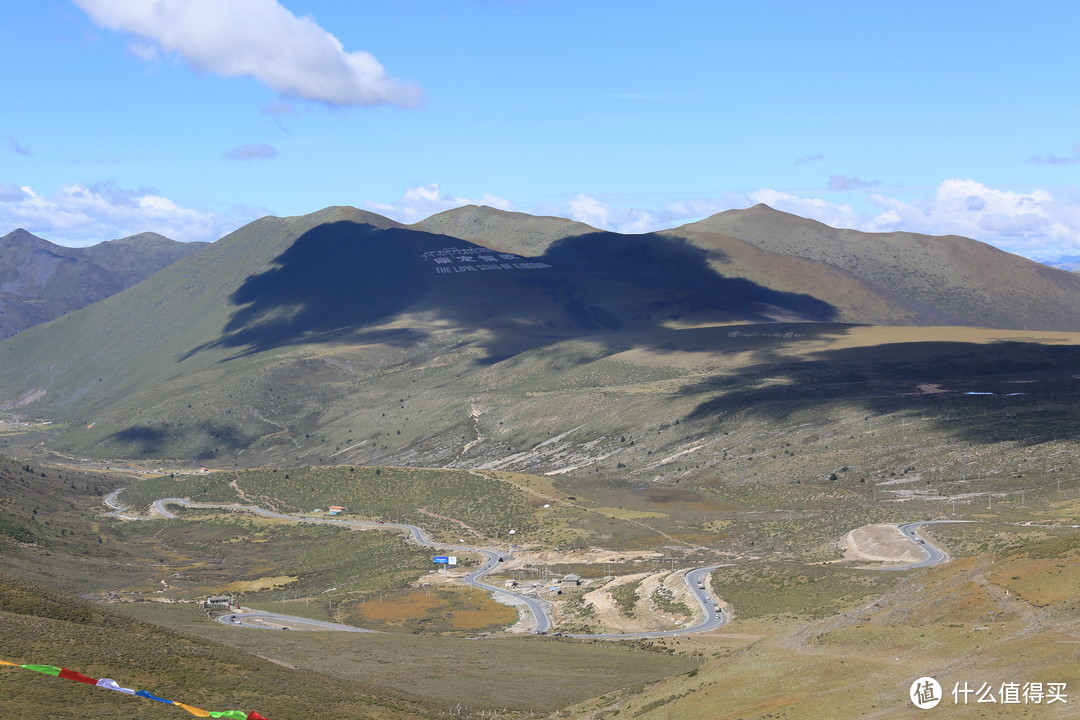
(529, 235)
(960, 276)
(40, 280)
(294, 328)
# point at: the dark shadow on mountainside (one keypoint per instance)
(143, 440)
(334, 279)
(979, 393)
(338, 280)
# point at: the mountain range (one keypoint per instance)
(477, 335)
(40, 281)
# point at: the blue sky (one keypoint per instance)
(185, 118)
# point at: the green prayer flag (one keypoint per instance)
(47, 669)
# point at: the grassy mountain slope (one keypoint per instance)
(343, 336)
(45, 626)
(857, 298)
(247, 335)
(884, 279)
(964, 277)
(963, 622)
(513, 232)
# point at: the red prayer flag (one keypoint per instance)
(78, 677)
(256, 716)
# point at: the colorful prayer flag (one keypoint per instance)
(110, 684)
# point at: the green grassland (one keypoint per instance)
(626, 597)
(52, 529)
(538, 675)
(758, 444)
(213, 554)
(44, 626)
(828, 642)
(770, 472)
(797, 590)
(49, 505)
(421, 496)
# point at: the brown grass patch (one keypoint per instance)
(263, 583)
(434, 609)
(491, 613)
(626, 514)
(399, 607)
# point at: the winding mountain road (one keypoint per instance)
(714, 617)
(532, 607)
(533, 610)
(934, 554)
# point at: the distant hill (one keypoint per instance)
(971, 281)
(502, 230)
(40, 281)
(345, 336)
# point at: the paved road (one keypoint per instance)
(277, 621)
(934, 554)
(713, 618)
(118, 510)
(533, 610)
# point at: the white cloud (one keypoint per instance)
(253, 151)
(256, 38)
(591, 211)
(830, 213)
(422, 201)
(84, 214)
(1037, 224)
(1032, 223)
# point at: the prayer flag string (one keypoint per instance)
(110, 684)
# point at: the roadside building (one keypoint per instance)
(220, 602)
